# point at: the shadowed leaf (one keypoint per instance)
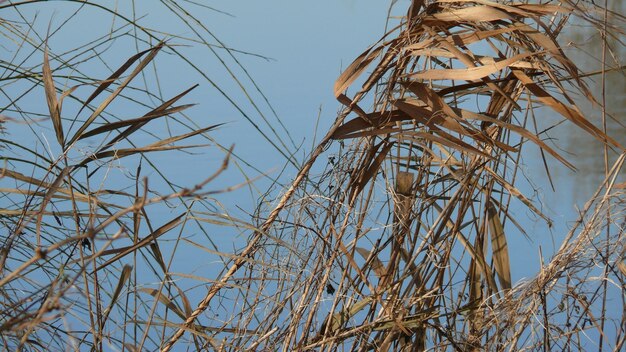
(51, 97)
(352, 72)
(107, 101)
(499, 246)
(126, 271)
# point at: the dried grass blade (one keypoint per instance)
(122, 153)
(371, 171)
(375, 263)
(186, 303)
(550, 44)
(519, 9)
(447, 140)
(475, 291)
(183, 136)
(424, 115)
(478, 257)
(50, 191)
(142, 64)
(470, 73)
(462, 39)
(499, 247)
(156, 253)
(21, 177)
(569, 113)
(476, 254)
(136, 126)
(51, 98)
(473, 14)
(106, 83)
(61, 193)
(371, 132)
(337, 320)
(161, 145)
(124, 251)
(519, 130)
(355, 69)
(68, 214)
(118, 289)
(144, 119)
(165, 300)
(449, 119)
(346, 101)
(375, 119)
(410, 322)
(430, 97)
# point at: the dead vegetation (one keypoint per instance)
(401, 243)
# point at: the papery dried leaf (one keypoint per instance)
(499, 247)
(447, 140)
(376, 264)
(376, 119)
(352, 72)
(471, 73)
(519, 130)
(142, 64)
(51, 98)
(124, 251)
(115, 75)
(111, 126)
(621, 265)
(570, 113)
(469, 14)
(161, 297)
(367, 174)
(338, 320)
(126, 271)
(139, 124)
(125, 152)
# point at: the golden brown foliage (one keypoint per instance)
(402, 242)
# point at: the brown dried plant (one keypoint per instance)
(401, 242)
(90, 247)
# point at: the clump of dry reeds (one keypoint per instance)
(64, 234)
(87, 241)
(399, 244)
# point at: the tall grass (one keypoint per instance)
(400, 243)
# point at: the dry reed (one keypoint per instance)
(400, 243)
